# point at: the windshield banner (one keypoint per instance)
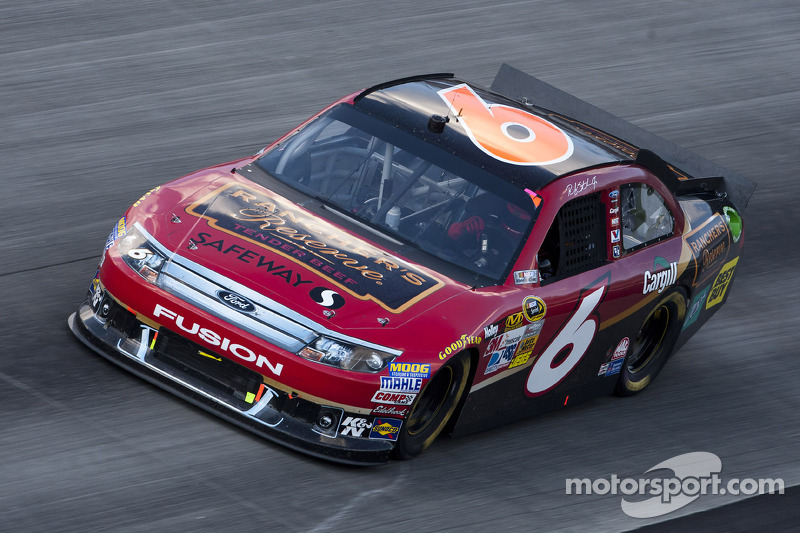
(347, 261)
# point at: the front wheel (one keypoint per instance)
(653, 344)
(433, 408)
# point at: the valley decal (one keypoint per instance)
(349, 263)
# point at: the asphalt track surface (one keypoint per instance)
(102, 100)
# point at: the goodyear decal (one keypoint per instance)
(271, 222)
(720, 286)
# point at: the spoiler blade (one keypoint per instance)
(691, 172)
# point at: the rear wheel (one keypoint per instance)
(433, 408)
(653, 344)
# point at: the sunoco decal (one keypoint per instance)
(352, 265)
(385, 428)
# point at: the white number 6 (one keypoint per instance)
(578, 332)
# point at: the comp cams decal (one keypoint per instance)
(271, 222)
(394, 398)
(507, 133)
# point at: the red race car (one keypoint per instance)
(423, 256)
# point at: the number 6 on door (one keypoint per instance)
(577, 332)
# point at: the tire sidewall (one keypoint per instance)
(412, 443)
(634, 381)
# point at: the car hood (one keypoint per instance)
(262, 240)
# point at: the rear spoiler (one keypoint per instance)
(683, 171)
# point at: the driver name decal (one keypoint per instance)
(353, 265)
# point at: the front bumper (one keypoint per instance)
(221, 387)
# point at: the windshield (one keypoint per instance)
(406, 188)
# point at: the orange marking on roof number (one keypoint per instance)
(507, 133)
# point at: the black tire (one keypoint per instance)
(653, 344)
(433, 407)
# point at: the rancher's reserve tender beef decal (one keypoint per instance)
(276, 224)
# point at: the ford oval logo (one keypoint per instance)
(236, 301)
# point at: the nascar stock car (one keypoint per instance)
(425, 256)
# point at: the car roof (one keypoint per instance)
(409, 104)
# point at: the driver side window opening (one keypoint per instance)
(645, 217)
(576, 242)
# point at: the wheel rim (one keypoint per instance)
(649, 339)
(431, 401)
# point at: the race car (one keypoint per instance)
(424, 256)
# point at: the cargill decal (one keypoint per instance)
(271, 222)
(658, 280)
